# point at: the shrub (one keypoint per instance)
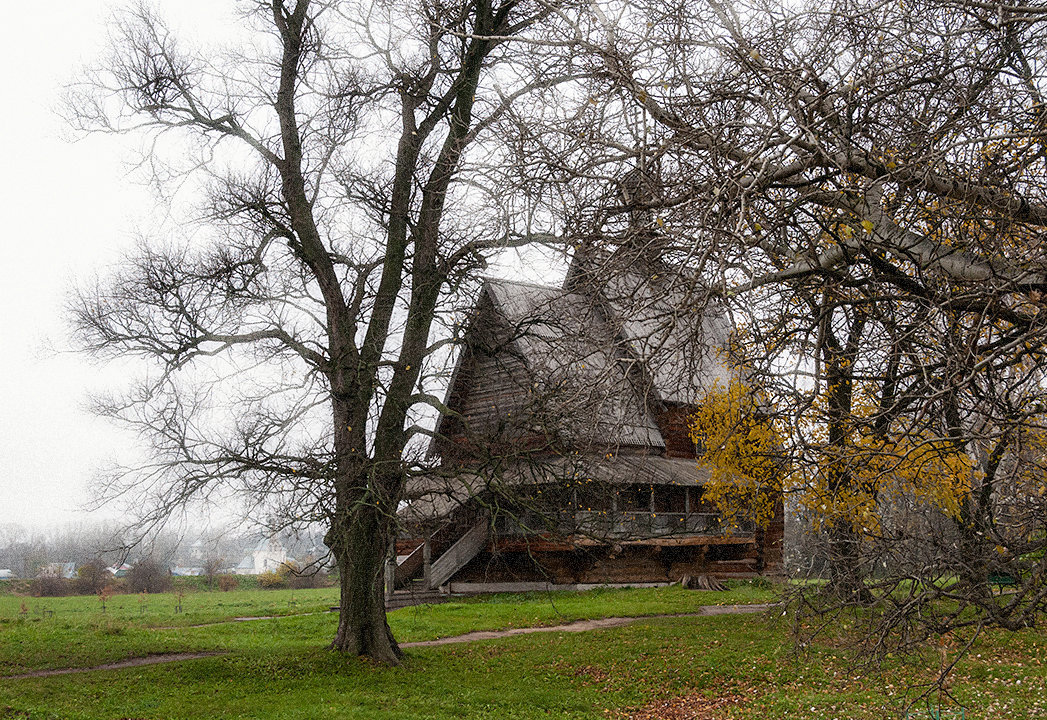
(212, 567)
(311, 577)
(50, 586)
(228, 582)
(272, 580)
(149, 576)
(92, 578)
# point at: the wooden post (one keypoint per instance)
(390, 571)
(427, 563)
(687, 509)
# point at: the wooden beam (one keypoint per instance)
(538, 543)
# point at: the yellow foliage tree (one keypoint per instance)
(742, 452)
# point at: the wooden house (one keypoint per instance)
(564, 451)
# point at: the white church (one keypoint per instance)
(267, 556)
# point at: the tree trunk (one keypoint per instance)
(359, 546)
(846, 574)
(975, 545)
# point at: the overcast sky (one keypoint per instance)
(69, 210)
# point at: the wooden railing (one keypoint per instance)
(617, 525)
(409, 566)
(459, 554)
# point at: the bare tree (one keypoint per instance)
(864, 186)
(211, 569)
(296, 339)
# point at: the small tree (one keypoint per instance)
(92, 577)
(104, 594)
(148, 576)
(212, 567)
(742, 449)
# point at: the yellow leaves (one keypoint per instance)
(877, 472)
(847, 483)
(867, 225)
(845, 231)
(742, 453)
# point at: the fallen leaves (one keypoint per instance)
(683, 707)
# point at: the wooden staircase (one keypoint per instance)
(459, 554)
(443, 569)
(409, 566)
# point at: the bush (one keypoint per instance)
(307, 580)
(50, 586)
(312, 577)
(212, 567)
(228, 582)
(272, 581)
(92, 578)
(149, 576)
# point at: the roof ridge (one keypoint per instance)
(504, 281)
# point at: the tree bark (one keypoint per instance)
(359, 546)
(846, 574)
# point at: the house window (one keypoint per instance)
(594, 496)
(699, 504)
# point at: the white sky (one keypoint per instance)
(68, 210)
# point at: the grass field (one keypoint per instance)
(278, 668)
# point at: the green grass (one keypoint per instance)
(503, 611)
(279, 668)
(159, 609)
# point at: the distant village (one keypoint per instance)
(64, 554)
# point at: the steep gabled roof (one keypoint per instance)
(661, 317)
(595, 363)
(564, 340)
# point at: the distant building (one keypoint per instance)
(58, 570)
(179, 571)
(267, 556)
(6, 574)
(119, 570)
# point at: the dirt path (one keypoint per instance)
(132, 662)
(577, 626)
(251, 618)
(584, 625)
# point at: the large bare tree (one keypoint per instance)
(864, 185)
(297, 327)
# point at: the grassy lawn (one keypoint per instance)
(279, 669)
(79, 634)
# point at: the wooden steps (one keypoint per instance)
(411, 596)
